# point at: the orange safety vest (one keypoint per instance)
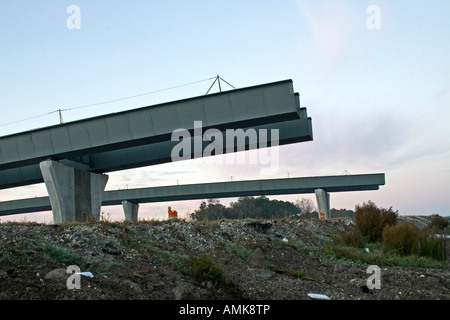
(173, 214)
(322, 215)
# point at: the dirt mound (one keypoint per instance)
(270, 260)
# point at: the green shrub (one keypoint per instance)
(204, 268)
(371, 220)
(57, 253)
(402, 238)
(352, 238)
(431, 246)
(238, 250)
(439, 223)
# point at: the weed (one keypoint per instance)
(298, 245)
(431, 246)
(144, 246)
(173, 259)
(378, 256)
(352, 238)
(7, 258)
(51, 251)
(204, 268)
(301, 275)
(102, 267)
(238, 250)
(273, 267)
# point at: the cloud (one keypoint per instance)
(331, 30)
(370, 142)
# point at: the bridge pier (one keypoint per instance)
(131, 210)
(75, 194)
(323, 202)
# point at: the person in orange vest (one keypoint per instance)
(173, 214)
(322, 215)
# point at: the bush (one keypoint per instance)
(438, 222)
(205, 269)
(238, 250)
(371, 220)
(431, 246)
(353, 238)
(402, 238)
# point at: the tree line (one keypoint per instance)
(260, 208)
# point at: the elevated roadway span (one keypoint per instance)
(131, 198)
(80, 140)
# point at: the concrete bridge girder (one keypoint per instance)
(293, 131)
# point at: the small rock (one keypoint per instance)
(57, 275)
(133, 285)
(265, 274)
(185, 291)
(257, 259)
(340, 267)
(359, 282)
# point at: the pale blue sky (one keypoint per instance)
(379, 99)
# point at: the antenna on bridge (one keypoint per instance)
(61, 120)
(60, 117)
(218, 78)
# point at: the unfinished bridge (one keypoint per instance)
(73, 159)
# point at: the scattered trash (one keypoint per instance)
(285, 240)
(318, 296)
(86, 274)
(367, 249)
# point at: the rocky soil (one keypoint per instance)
(150, 260)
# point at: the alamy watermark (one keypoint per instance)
(374, 20)
(230, 143)
(74, 20)
(374, 281)
(73, 281)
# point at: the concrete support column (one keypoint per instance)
(131, 210)
(323, 202)
(75, 195)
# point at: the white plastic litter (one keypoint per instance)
(285, 240)
(367, 249)
(86, 274)
(318, 296)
